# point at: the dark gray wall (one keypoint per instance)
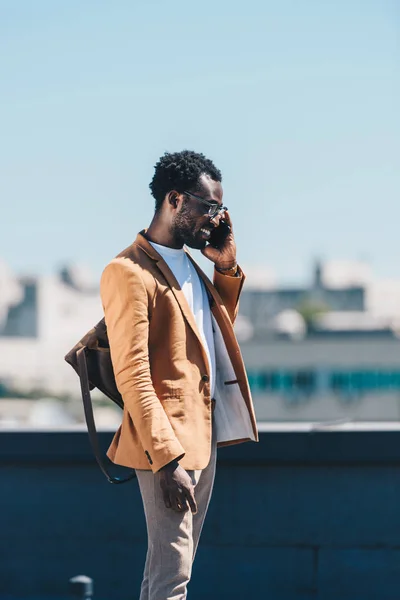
(301, 515)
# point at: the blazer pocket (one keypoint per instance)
(231, 382)
(174, 408)
(169, 389)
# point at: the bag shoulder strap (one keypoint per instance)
(91, 425)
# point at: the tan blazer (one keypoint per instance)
(161, 367)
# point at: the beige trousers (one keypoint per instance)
(172, 537)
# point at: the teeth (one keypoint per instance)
(206, 231)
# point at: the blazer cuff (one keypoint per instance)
(161, 457)
(229, 282)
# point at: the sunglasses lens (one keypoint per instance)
(213, 211)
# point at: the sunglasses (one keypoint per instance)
(214, 208)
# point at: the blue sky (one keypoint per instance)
(297, 102)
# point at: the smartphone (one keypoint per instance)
(219, 234)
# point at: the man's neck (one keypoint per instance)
(159, 234)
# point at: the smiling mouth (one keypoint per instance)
(206, 232)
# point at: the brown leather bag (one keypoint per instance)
(91, 359)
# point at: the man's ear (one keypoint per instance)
(173, 198)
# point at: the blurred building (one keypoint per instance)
(326, 377)
(263, 307)
(328, 350)
(41, 324)
(21, 318)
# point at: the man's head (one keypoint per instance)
(187, 189)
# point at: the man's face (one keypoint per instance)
(192, 217)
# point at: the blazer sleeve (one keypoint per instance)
(126, 309)
(229, 288)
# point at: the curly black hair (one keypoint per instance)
(180, 171)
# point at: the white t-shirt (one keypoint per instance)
(196, 296)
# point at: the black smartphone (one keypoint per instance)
(219, 234)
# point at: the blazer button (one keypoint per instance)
(205, 378)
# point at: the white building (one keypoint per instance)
(43, 323)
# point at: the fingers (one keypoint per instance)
(191, 499)
(178, 491)
(210, 252)
(174, 501)
(181, 501)
(227, 219)
(166, 497)
(186, 500)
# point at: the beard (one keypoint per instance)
(185, 231)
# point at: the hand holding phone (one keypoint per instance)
(221, 249)
(219, 234)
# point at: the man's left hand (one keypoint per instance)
(223, 257)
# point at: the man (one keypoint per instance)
(176, 362)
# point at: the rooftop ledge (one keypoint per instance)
(263, 426)
(303, 444)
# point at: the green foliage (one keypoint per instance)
(310, 309)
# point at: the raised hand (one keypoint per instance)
(224, 257)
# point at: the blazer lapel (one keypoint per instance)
(179, 295)
(173, 284)
(216, 304)
(221, 316)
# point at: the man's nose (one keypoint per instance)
(216, 219)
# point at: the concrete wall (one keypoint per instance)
(301, 515)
